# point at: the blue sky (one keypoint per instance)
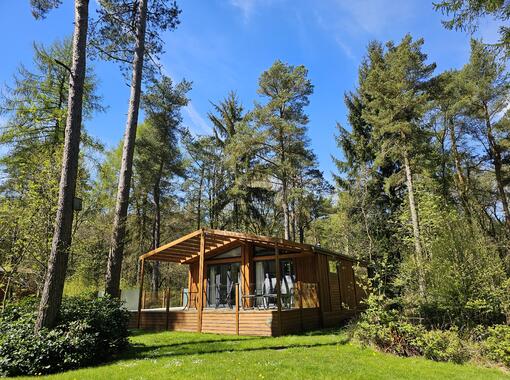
(225, 45)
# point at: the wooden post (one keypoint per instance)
(278, 289)
(237, 308)
(167, 307)
(200, 306)
(140, 294)
(188, 301)
(300, 295)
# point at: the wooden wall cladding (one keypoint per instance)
(347, 285)
(256, 323)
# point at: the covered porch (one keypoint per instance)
(243, 284)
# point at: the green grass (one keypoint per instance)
(325, 355)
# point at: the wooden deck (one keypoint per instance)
(251, 322)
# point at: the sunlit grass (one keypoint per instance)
(326, 355)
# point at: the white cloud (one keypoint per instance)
(375, 16)
(248, 7)
(245, 6)
(200, 125)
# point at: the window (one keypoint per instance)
(265, 282)
(332, 266)
(221, 280)
(236, 252)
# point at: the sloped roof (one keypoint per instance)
(186, 249)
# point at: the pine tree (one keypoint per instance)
(129, 31)
(396, 101)
(282, 122)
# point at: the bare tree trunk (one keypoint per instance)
(497, 161)
(416, 226)
(460, 179)
(286, 216)
(126, 170)
(57, 264)
(199, 203)
(156, 232)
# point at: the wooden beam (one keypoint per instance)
(171, 244)
(140, 293)
(237, 308)
(255, 238)
(282, 257)
(188, 298)
(278, 289)
(231, 244)
(167, 307)
(201, 282)
(300, 295)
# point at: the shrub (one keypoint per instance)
(88, 331)
(385, 329)
(443, 346)
(497, 345)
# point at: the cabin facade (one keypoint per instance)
(234, 286)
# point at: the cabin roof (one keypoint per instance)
(185, 249)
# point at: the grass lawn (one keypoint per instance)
(325, 355)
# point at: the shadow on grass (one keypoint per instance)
(203, 344)
(222, 344)
(198, 348)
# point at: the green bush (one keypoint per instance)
(88, 331)
(385, 329)
(382, 327)
(497, 344)
(443, 346)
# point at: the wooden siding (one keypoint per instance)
(251, 322)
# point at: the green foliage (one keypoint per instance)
(88, 331)
(385, 328)
(466, 15)
(497, 344)
(443, 346)
(465, 277)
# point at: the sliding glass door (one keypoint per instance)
(265, 283)
(221, 280)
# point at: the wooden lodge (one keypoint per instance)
(234, 287)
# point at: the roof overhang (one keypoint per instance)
(186, 249)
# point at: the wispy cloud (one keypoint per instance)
(200, 126)
(376, 16)
(245, 6)
(248, 7)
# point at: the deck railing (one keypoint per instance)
(300, 295)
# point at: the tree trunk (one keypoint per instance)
(156, 232)
(460, 178)
(57, 264)
(126, 170)
(416, 226)
(286, 216)
(199, 203)
(495, 153)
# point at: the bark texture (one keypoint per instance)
(415, 222)
(115, 257)
(51, 297)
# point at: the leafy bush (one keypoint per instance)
(497, 345)
(385, 329)
(382, 327)
(443, 346)
(88, 331)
